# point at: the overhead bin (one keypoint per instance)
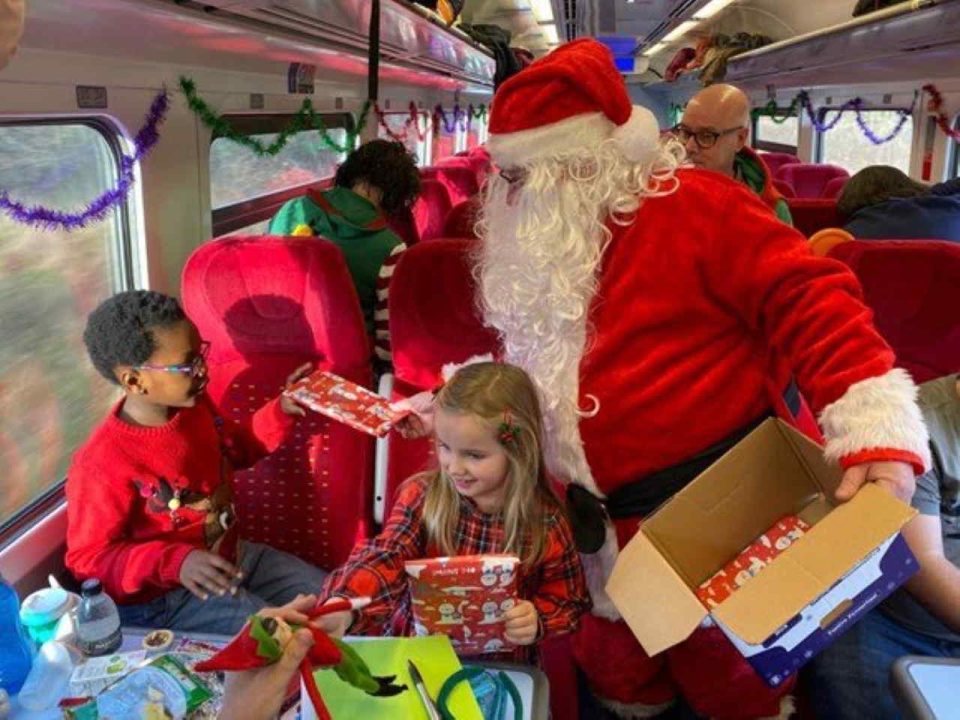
(897, 43)
(408, 35)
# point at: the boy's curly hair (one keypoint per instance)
(118, 332)
(387, 166)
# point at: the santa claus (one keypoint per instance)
(651, 305)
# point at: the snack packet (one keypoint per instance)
(164, 689)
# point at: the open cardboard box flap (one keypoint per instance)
(772, 472)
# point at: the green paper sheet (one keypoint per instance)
(433, 656)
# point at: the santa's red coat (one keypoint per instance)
(699, 297)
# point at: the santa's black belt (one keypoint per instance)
(640, 497)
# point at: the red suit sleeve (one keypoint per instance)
(257, 436)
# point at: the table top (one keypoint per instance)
(530, 681)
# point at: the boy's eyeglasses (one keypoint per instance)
(705, 139)
(192, 369)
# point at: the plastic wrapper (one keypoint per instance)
(162, 690)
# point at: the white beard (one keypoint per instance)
(537, 279)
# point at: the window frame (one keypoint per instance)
(768, 146)
(236, 216)
(954, 159)
(124, 277)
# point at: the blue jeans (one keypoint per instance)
(850, 680)
(270, 577)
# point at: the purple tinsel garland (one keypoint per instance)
(50, 219)
(457, 121)
(856, 104)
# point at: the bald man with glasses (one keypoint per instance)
(715, 129)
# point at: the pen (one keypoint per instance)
(428, 704)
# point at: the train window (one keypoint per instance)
(50, 396)
(247, 189)
(846, 145)
(477, 134)
(397, 124)
(780, 135)
(447, 140)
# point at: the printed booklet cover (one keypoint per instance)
(346, 402)
(464, 598)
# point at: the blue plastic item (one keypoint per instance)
(17, 655)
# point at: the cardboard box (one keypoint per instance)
(852, 557)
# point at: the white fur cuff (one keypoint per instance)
(879, 412)
(449, 369)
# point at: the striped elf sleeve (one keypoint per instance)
(381, 314)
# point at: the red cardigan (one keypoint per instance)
(123, 523)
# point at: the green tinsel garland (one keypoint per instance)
(772, 111)
(305, 119)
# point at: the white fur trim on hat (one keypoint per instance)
(879, 412)
(523, 146)
(448, 370)
(639, 136)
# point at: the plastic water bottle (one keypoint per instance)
(17, 652)
(98, 622)
(47, 681)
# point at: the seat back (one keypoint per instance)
(775, 160)
(460, 181)
(477, 164)
(431, 208)
(813, 214)
(462, 219)
(425, 335)
(834, 187)
(267, 305)
(809, 180)
(785, 188)
(913, 288)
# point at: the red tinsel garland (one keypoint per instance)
(935, 106)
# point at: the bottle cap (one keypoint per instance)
(91, 587)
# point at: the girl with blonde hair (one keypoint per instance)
(490, 494)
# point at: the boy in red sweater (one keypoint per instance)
(149, 507)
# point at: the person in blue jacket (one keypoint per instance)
(882, 203)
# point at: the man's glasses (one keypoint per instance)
(705, 139)
(192, 369)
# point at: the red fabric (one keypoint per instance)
(427, 334)
(462, 219)
(785, 188)
(834, 187)
(556, 586)
(913, 288)
(713, 309)
(813, 214)
(710, 673)
(809, 180)
(405, 227)
(775, 160)
(118, 531)
(431, 208)
(461, 182)
(479, 164)
(268, 305)
(578, 77)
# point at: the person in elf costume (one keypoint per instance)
(377, 180)
(264, 641)
(715, 129)
(652, 305)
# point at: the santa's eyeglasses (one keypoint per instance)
(705, 139)
(514, 175)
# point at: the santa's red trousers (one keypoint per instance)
(709, 672)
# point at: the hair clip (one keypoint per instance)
(508, 432)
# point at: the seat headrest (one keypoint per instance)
(434, 319)
(275, 295)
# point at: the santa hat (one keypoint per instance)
(572, 97)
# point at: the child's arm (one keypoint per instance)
(99, 510)
(562, 595)
(263, 432)
(375, 567)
